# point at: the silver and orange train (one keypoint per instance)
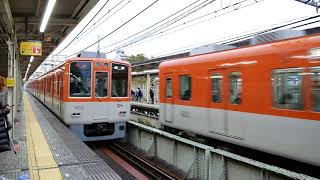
(266, 97)
(90, 95)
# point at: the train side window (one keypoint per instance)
(315, 88)
(169, 87)
(216, 86)
(185, 87)
(101, 84)
(287, 88)
(235, 87)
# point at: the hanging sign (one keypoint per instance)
(31, 48)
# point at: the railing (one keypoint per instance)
(200, 161)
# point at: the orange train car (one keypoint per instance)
(265, 97)
(90, 95)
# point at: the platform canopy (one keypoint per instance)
(23, 19)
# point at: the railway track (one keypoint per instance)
(142, 164)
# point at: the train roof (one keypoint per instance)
(90, 59)
(247, 51)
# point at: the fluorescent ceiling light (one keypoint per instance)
(31, 59)
(47, 15)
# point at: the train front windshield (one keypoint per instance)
(119, 83)
(80, 79)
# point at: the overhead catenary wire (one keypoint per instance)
(145, 36)
(117, 28)
(161, 33)
(155, 33)
(237, 38)
(181, 16)
(84, 26)
(168, 19)
(246, 36)
(270, 29)
(89, 30)
(174, 20)
(106, 35)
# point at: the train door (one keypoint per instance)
(45, 84)
(52, 91)
(168, 100)
(225, 93)
(60, 92)
(37, 89)
(217, 121)
(235, 124)
(57, 96)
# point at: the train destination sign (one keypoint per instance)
(31, 48)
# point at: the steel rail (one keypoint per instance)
(145, 166)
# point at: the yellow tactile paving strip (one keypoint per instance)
(40, 159)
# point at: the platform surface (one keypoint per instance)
(48, 150)
(142, 104)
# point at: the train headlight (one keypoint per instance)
(74, 115)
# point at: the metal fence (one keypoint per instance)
(199, 161)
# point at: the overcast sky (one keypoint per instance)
(236, 19)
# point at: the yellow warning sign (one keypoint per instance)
(10, 82)
(31, 48)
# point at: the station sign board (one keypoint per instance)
(31, 48)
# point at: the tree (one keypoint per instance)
(138, 57)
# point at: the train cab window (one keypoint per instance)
(185, 87)
(235, 87)
(101, 84)
(216, 86)
(169, 87)
(80, 79)
(315, 89)
(119, 83)
(287, 88)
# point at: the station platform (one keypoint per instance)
(48, 150)
(144, 104)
